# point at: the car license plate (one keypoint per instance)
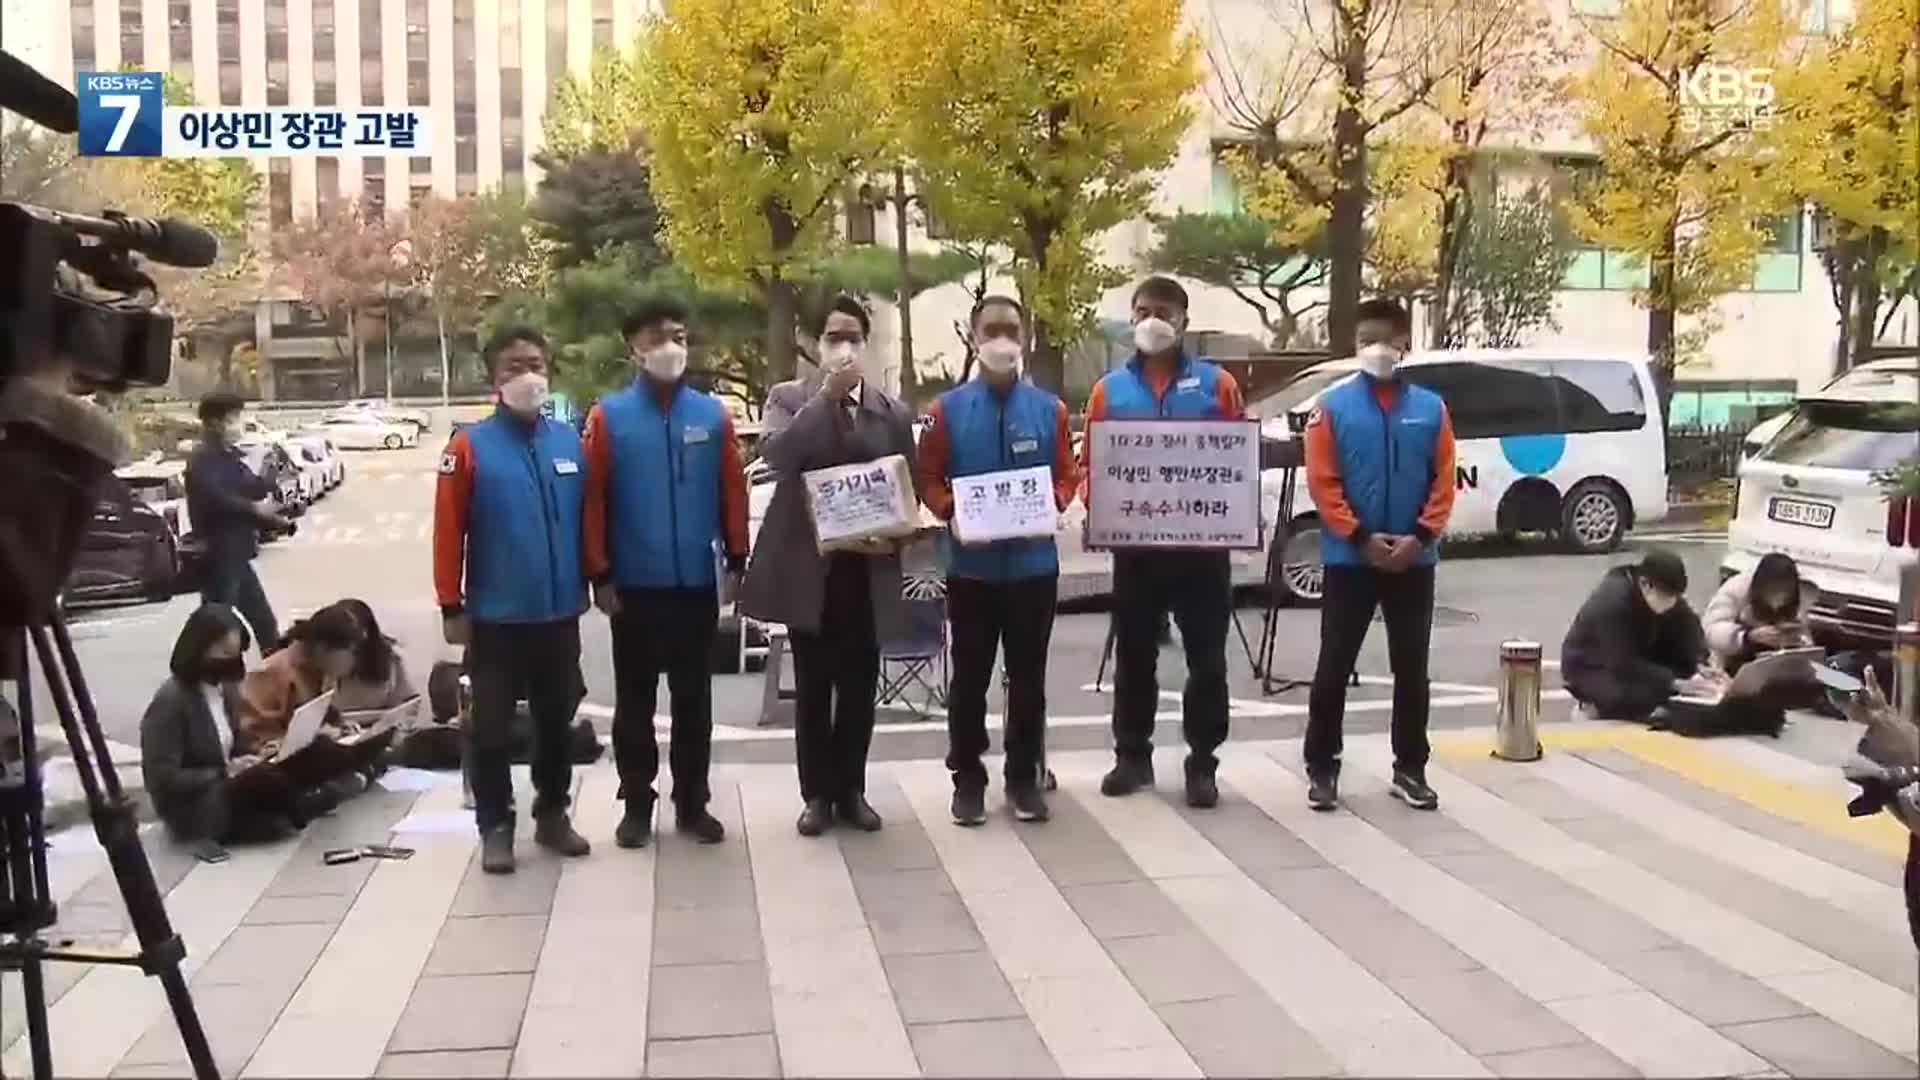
(1799, 512)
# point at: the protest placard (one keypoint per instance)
(1174, 484)
(872, 500)
(1010, 504)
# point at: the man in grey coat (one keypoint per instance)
(837, 608)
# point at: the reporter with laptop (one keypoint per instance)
(1635, 644)
(288, 686)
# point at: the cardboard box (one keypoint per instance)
(852, 504)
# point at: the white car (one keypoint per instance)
(365, 432)
(320, 468)
(163, 486)
(380, 407)
(1810, 492)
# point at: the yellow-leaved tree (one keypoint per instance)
(758, 115)
(1851, 134)
(1037, 124)
(1682, 184)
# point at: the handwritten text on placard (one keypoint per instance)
(1174, 483)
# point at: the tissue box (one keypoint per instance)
(869, 501)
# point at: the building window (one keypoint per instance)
(180, 39)
(373, 188)
(1226, 190)
(1814, 19)
(1605, 9)
(372, 67)
(80, 20)
(1593, 266)
(512, 160)
(860, 217)
(936, 229)
(227, 32)
(327, 182)
(133, 41)
(602, 24)
(422, 191)
(556, 40)
(280, 192)
(466, 151)
(276, 52)
(1777, 267)
(325, 75)
(419, 77)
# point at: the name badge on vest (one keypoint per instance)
(1191, 382)
(565, 466)
(696, 435)
(1025, 446)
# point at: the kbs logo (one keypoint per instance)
(1715, 97)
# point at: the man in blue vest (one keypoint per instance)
(1163, 382)
(666, 493)
(1379, 459)
(1000, 591)
(506, 566)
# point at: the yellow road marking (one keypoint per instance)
(1691, 760)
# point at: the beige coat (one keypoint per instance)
(786, 577)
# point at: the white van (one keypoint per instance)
(1810, 492)
(1569, 443)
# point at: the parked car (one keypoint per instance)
(271, 462)
(128, 551)
(162, 485)
(380, 407)
(1811, 493)
(1548, 442)
(319, 452)
(366, 432)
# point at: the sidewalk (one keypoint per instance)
(1634, 904)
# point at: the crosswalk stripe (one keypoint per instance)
(1090, 1017)
(1851, 999)
(339, 1022)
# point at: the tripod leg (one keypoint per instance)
(187, 1019)
(34, 998)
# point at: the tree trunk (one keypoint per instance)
(1456, 206)
(1841, 261)
(782, 311)
(1866, 296)
(1661, 319)
(909, 379)
(359, 348)
(1346, 222)
(446, 366)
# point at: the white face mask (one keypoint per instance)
(1154, 336)
(999, 356)
(839, 356)
(524, 393)
(665, 362)
(1379, 360)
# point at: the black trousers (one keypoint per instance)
(506, 662)
(249, 806)
(671, 632)
(836, 672)
(984, 616)
(1352, 594)
(1197, 589)
(231, 580)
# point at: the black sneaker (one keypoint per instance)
(1203, 791)
(1323, 790)
(635, 829)
(1028, 804)
(969, 805)
(1411, 788)
(1126, 777)
(700, 825)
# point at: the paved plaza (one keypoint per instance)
(1633, 904)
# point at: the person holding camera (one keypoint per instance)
(507, 569)
(229, 504)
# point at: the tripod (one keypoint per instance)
(26, 905)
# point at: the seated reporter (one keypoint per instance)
(204, 792)
(313, 657)
(376, 683)
(1757, 613)
(1635, 643)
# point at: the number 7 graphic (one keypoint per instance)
(129, 106)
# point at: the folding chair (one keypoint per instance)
(917, 659)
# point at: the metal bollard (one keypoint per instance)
(1517, 733)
